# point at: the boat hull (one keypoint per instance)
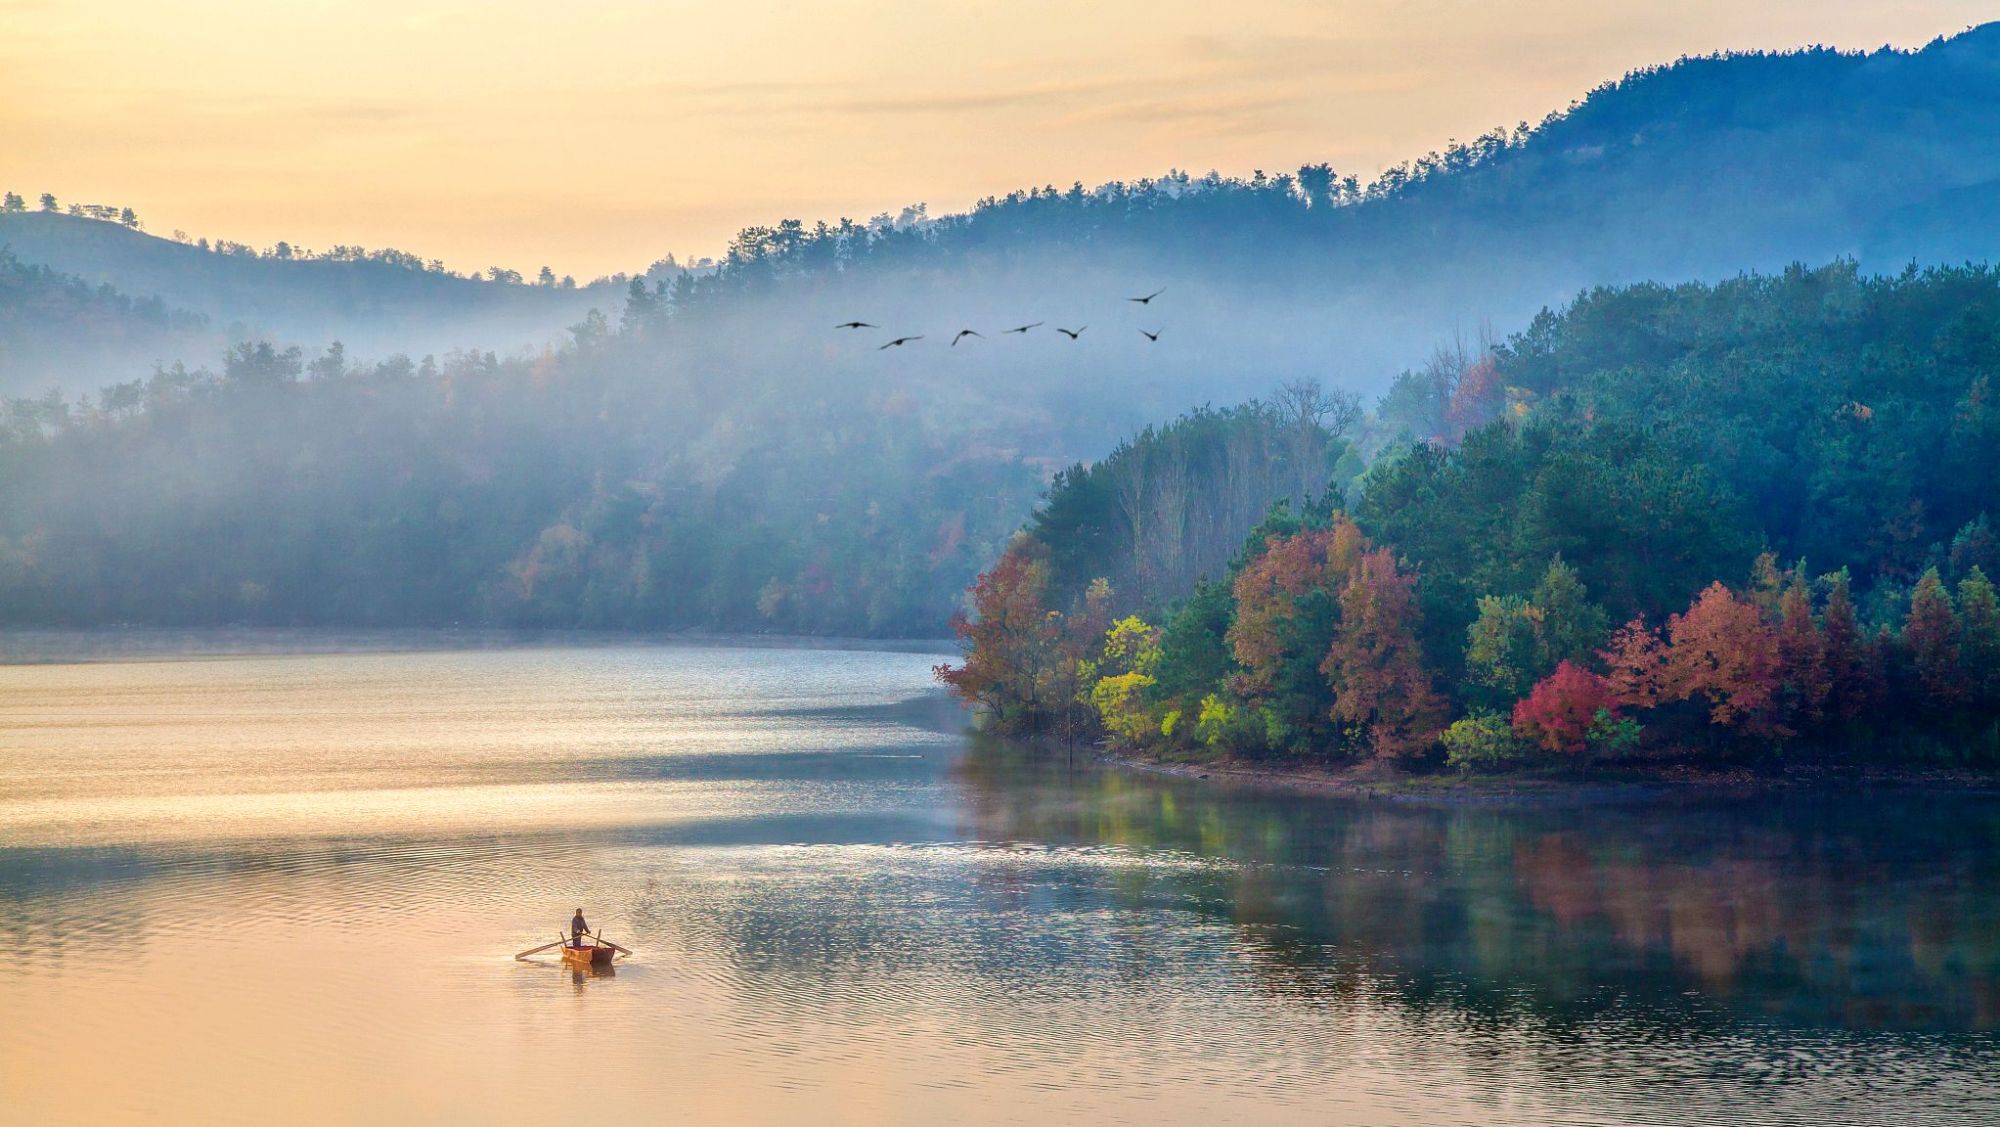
(588, 956)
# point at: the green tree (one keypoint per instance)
(1502, 652)
(1567, 625)
(1194, 647)
(1979, 636)
(260, 363)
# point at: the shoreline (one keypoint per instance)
(1377, 781)
(115, 644)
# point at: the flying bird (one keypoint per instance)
(1148, 299)
(963, 333)
(1022, 328)
(857, 325)
(1151, 336)
(899, 341)
(1071, 334)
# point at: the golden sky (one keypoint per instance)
(597, 136)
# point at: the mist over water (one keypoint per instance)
(246, 881)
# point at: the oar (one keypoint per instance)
(539, 950)
(613, 946)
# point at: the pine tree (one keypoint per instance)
(1931, 636)
(1802, 666)
(1568, 626)
(1853, 681)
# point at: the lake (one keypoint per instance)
(289, 888)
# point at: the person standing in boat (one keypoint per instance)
(577, 929)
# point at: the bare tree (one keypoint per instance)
(1312, 419)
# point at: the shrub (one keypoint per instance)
(1121, 705)
(1483, 739)
(1612, 736)
(1229, 728)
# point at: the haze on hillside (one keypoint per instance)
(711, 450)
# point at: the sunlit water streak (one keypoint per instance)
(289, 888)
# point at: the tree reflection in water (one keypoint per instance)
(1814, 910)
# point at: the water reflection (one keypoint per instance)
(1857, 912)
(579, 975)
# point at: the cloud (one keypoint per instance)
(820, 99)
(199, 119)
(1198, 111)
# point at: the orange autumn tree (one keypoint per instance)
(1010, 638)
(1029, 666)
(1722, 652)
(1636, 661)
(1931, 634)
(1375, 666)
(1269, 588)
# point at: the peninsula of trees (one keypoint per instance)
(1692, 522)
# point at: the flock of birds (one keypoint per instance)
(1149, 334)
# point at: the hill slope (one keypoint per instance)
(375, 307)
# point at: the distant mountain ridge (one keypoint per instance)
(1694, 170)
(374, 307)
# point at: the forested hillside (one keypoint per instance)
(1667, 520)
(53, 323)
(583, 488)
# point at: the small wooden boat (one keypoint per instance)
(595, 954)
(583, 951)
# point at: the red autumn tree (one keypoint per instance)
(1476, 400)
(1724, 653)
(1375, 665)
(1557, 714)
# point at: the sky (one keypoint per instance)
(597, 136)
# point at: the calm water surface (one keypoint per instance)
(288, 889)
